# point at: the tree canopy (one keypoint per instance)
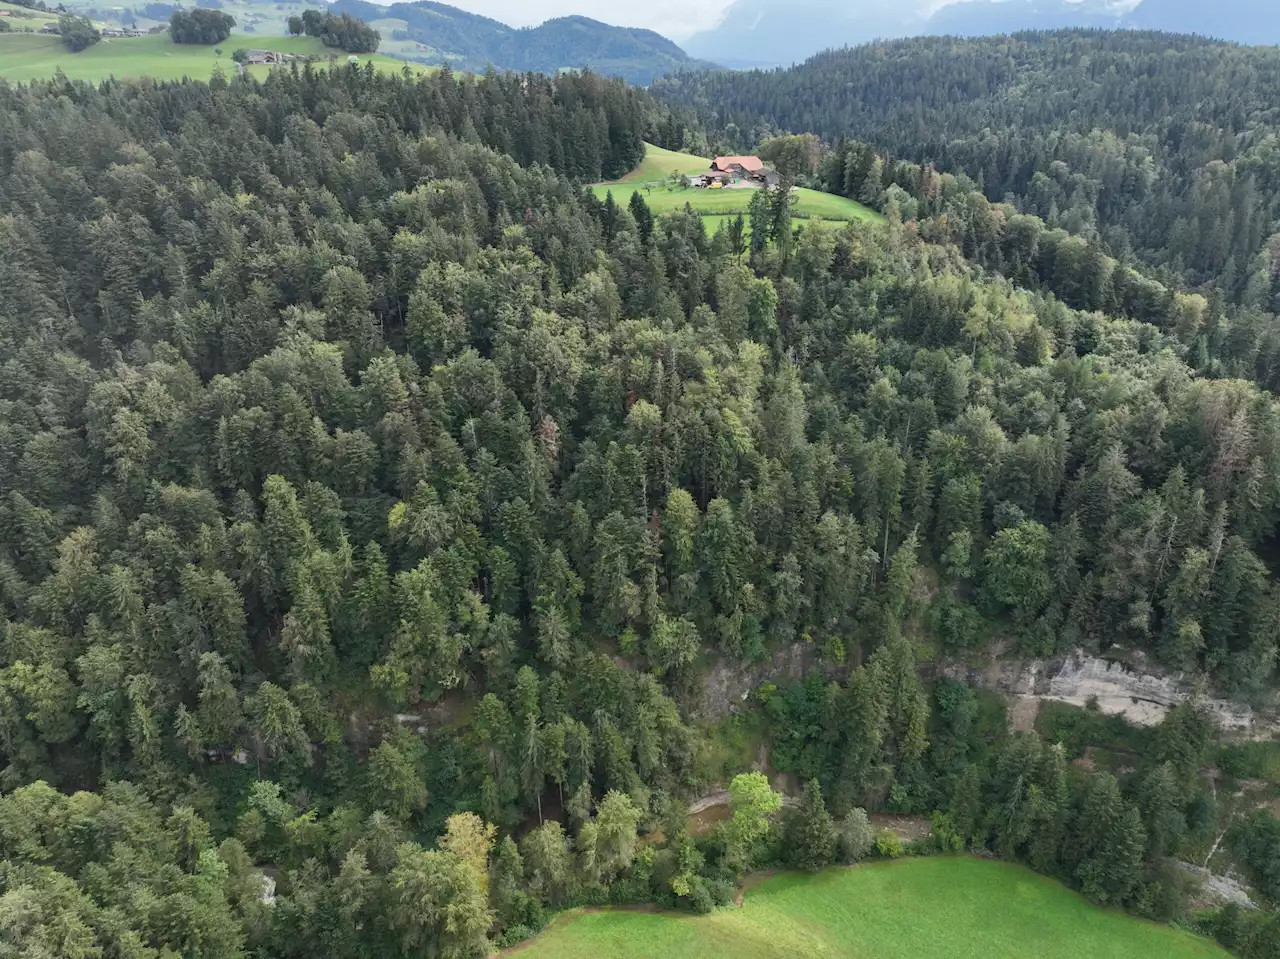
(199, 25)
(376, 502)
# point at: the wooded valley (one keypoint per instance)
(375, 499)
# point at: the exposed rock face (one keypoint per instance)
(728, 684)
(1141, 696)
(1140, 693)
(1218, 890)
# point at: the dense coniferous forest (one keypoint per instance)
(1162, 146)
(373, 500)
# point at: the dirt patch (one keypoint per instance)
(750, 882)
(789, 785)
(719, 797)
(706, 811)
(1086, 762)
(907, 828)
(1023, 713)
(706, 820)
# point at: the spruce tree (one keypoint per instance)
(811, 833)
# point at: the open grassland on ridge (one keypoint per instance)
(24, 18)
(936, 908)
(650, 180)
(659, 163)
(25, 57)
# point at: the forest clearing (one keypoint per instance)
(976, 908)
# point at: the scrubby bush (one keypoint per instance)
(888, 844)
(857, 837)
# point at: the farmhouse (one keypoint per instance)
(737, 164)
(267, 57)
(735, 171)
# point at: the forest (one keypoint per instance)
(344, 32)
(374, 498)
(1162, 146)
(200, 26)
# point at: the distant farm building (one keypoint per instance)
(258, 58)
(734, 171)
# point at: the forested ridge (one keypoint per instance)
(373, 499)
(1161, 145)
(469, 41)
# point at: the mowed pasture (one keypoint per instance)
(659, 163)
(24, 18)
(727, 202)
(651, 179)
(25, 57)
(934, 908)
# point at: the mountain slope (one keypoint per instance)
(467, 41)
(976, 18)
(772, 32)
(1089, 129)
(1244, 21)
(781, 32)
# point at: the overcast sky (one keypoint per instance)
(676, 19)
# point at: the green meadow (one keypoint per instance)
(23, 18)
(650, 179)
(25, 57)
(659, 163)
(933, 908)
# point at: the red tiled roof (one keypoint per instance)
(750, 164)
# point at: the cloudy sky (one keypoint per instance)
(676, 19)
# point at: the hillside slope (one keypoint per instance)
(33, 56)
(777, 32)
(1158, 144)
(467, 41)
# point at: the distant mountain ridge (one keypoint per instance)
(468, 41)
(976, 18)
(780, 32)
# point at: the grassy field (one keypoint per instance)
(253, 17)
(717, 204)
(953, 908)
(22, 18)
(33, 57)
(659, 163)
(649, 179)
